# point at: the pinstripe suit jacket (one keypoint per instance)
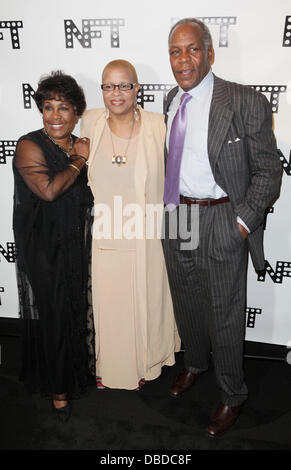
(243, 155)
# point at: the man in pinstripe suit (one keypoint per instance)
(229, 169)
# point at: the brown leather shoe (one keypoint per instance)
(223, 418)
(183, 382)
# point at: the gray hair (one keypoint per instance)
(206, 36)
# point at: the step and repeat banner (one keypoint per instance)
(252, 41)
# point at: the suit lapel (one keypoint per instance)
(220, 117)
(171, 95)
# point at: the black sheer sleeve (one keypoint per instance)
(31, 164)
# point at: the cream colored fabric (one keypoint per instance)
(135, 329)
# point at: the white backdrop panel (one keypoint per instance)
(252, 41)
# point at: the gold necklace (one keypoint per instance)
(67, 152)
(119, 159)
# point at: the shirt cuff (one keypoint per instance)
(238, 219)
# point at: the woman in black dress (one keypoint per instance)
(51, 222)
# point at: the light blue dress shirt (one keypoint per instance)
(196, 177)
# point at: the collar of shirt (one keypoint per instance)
(202, 90)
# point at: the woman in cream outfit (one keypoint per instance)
(133, 316)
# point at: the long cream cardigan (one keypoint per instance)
(154, 304)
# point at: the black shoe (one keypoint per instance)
(64, 413)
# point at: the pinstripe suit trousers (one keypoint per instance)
(208, 287)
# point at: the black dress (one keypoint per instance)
(53, 247)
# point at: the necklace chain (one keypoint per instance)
(66, 151)
(121, 158)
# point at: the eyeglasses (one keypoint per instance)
(120, 86)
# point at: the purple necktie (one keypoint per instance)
(176, 144)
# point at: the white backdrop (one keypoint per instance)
(252, 41)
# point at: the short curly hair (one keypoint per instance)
(61, 86)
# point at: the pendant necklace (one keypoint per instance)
(119, 159)
(66, 151)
